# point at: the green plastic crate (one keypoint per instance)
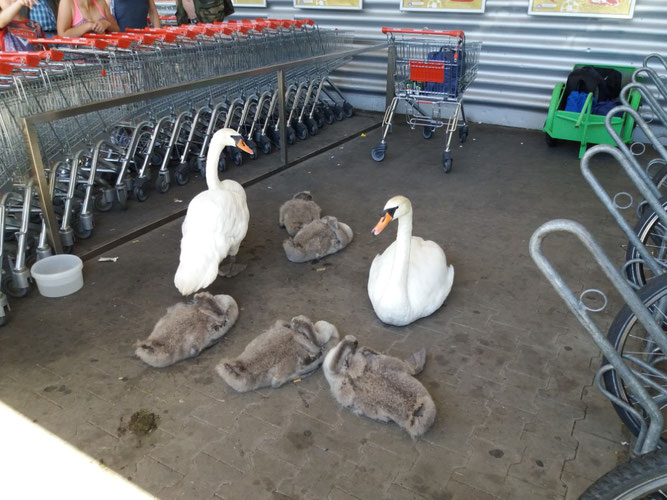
(585, 127)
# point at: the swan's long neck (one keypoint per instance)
(402, 254)
(212, 158)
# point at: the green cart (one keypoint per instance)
(585, 127)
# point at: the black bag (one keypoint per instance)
(604, 83)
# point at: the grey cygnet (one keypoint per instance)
(319, 238)
(297, 212)
(188, 328)
(380, 387)
(286, 351)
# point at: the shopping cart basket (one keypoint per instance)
(433, 70)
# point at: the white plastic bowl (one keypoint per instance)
(58, 275)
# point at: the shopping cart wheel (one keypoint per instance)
(463, 134)
(252, 145)
(266, 147)
(551, 142)
(162, 185)
(9, 288)
(182, 174)
(141, 189)
(447, 161)
(319, 118)
(427, 132)
(377, 153)
(301, 131)
(121, 199)
(338, 112)
(81, 232)
(236, 157)
(101, 204)
(291, 136)
(311, 124)
(348, 110)
(328, 115)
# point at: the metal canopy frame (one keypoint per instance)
(29, 123)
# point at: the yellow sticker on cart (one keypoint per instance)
(623, 9)
(471, 6)
(329, 4)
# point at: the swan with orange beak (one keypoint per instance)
(215, 224)
(411, 278)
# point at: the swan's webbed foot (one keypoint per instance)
(232, 268)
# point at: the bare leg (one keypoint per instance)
(232, 268)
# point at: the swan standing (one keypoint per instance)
(215, 224)
(411, 278)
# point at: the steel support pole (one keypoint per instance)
(281, 115)
(391, 69)
(37, 167)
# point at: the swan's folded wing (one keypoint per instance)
(212, 225)
(430, 279)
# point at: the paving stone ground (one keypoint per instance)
(509, 368)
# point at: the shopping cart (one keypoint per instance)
(433, 70)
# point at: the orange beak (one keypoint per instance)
(386, 219)
(242, 145)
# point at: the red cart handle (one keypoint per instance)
(24, 58)
(80, 42)
(456, 33)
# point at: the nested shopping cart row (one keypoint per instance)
(633, 372)
(101, 160)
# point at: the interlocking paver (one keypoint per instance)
(268, 471)
(542, 472)
(179, 452)
(151, 475)
(201, 481)
(431, 471)
(600, 456)
(461, 491)
(238, 446)
(504, 424)
(319, 475)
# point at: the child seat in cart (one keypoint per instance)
(432, 71)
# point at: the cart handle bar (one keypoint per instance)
(456, 33)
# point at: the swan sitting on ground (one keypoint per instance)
(411, 278)
(215, 224)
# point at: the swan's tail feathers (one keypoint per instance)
(195, 273)
(422, 416)
(234, 372)
(153, 353)
(293, 253)
(417, 361)
(450, 280)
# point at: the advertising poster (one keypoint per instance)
(623, 9)
(249, 3)
(329, 4)
(472, 6)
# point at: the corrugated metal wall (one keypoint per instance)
(522, 57)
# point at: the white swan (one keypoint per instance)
(215, 224)
(411, 278)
